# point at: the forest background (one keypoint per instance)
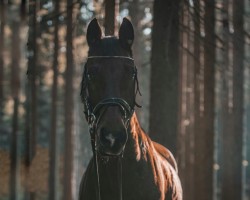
(193, 60)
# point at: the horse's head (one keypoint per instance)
(109, 86)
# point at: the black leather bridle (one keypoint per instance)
(93, 115)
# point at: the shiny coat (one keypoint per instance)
(149, 172)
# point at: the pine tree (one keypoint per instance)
(69, 107)
(164, 74)
(53, 138)
(204, 144)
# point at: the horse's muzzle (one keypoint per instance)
(111, 142)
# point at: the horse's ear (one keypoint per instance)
(126, 33)
(94, 32)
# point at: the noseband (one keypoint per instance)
(93, 115)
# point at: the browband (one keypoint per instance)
(111, 57)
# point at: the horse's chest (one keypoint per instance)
(139, 190)
(138, 183)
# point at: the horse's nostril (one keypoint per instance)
(112, 141)
(107, 138)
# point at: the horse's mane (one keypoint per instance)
(161, 159)
(136, 131)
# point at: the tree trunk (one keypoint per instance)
(164, 74)
(189, 117)
(186, 98)
(32, 74)
(23, 9)
(233, 138)
(135, 10)
(204, 141)
(226, 114)
(197, 73)
(31, 129)
(2, 19)
(247, 150)
(15, 86)
(247, 112)
(197, 93)
(136, 13)
(111, 12)
(69, 95)
(52, 147)
(181, 145)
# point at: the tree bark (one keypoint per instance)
(136, 13)
(52, 147)
(69, 107)
(181, 104)
(23, 9)
(15, 86)
(233, 138)
(186, 98)
(197, 93)
(189, 117)
(31, 129)
(111, 12)
(204, 141)
(197, 72)
(32, 74)
(2, 18)
(164, 74)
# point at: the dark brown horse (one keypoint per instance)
(127, 164)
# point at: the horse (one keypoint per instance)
(126, 163)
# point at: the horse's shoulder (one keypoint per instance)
(173, 190)
(165, 153)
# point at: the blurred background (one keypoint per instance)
(193, 58)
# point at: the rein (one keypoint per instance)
(93, 120)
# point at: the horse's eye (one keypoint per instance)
(89, 77)
(93, 71)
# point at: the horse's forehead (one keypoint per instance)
(110, 42)
(111, 47)
(108, 46)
